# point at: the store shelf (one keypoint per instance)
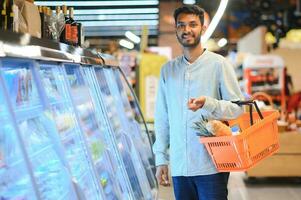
(285, 163)
(68, 135)
(28, 112)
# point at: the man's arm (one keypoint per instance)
(162, 134)
(228, 90)
(161, 124)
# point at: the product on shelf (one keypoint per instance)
(66, 33)
(266, 73)
(6, 15)
(74, 27)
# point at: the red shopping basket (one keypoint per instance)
(257, 140)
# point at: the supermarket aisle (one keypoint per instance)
(238, 190)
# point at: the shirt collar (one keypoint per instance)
(197, 60)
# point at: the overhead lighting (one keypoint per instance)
(219, 13)
(120, 23)
(117, 11)
(127, 44)
(106, 32)
(131, 36)
(97, 3)
(189, 2)
(222, 42)
(116, 17)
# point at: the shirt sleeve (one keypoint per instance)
(229, 91)
(161, 144)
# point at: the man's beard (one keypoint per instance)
(184, 44)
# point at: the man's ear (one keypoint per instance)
(204, 28)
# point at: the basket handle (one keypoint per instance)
(250, 103)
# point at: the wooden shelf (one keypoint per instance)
(285, 163)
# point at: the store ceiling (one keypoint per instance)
(111, 19)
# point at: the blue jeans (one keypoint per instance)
(205, 187)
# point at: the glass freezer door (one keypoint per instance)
(96, 132)
(70, 133)
(16, 182)
(140, 137)
(37, 130)
(112, 152)
(141, 144)
(127, 149)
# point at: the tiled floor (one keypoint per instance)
(262, 189)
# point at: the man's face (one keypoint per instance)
(188, 29)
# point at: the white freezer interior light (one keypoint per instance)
(126, 44)
(219, 13)
(222, 42)
(131, 36)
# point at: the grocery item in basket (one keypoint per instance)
(218, 128)
(212, 128)
(200, 127)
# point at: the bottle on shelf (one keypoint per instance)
(66, 33)
(41, 8)
(10, 15)
(80, 34)
(57, 10)
(3, 15)
(46, 20)
(74, 27)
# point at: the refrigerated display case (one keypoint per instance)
(37, 131)
(134, 119)
(79, 140)
(128, 152)
(61, 108)
(12, 157)
(91, 117)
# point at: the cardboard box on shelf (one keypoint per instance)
(29, 18)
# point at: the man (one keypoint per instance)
(197, 73)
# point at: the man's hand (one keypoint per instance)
(196, 103)
(162, 175)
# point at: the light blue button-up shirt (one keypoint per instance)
(211, 76)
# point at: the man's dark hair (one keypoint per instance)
(190, 9)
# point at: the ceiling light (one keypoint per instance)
(126, 44)
(220, 11)
(222, 42)
(131, 36)
(121, 23)
(116, 11)
(115, 17)
(96, 3)
(189, 2)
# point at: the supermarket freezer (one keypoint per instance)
(58, 98)
(48, 168)
(92, 119)
(12, 155)
(123, 135)
(133, 112)
(69, 148)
